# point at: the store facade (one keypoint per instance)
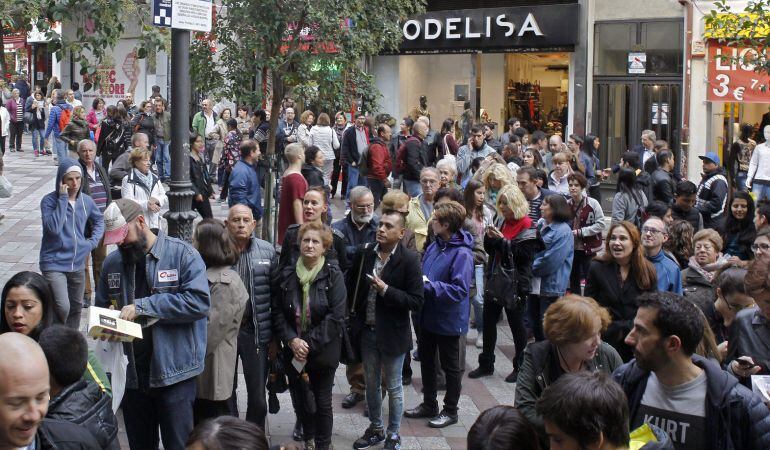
(726, 93)
(502, 59)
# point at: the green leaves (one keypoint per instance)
(748, 28)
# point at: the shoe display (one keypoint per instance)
(352, 400)
(393, 442)
(372, 436)
(442, 420)
(481, 371)
(422, 411)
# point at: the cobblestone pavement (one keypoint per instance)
(20, 232)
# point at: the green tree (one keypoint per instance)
(97, 26)
(749, 27)
(314, 48)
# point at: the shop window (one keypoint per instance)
(611, 46)
(663, 44)
(660, 41)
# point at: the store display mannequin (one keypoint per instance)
(759, 168)
(421, 110)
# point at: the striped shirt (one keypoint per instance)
(534, 208)
(19, 111)
(98, 193)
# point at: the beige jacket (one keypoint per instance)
(228, 302)
(418, 223)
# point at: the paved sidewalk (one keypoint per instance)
(20, 233)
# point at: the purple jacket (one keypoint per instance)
(449, 268)
(12, 105)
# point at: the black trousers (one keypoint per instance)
(225, 184)
(210, 409)
(316, 426)
(378, 190)
(255, 368)
(336, 176)
(2, 144)
(580, 264)
(449, 354)
(17, 130)
(492, 311)
(203, 208)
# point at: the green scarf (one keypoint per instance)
(306, 277)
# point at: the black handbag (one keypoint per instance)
(351, 332)
(501, 285)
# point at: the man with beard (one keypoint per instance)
(690, 397)
(358, 228)
(160, 282)
(476, 147)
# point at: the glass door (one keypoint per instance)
(613, 119)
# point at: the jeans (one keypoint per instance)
(17, 130)
(449, 355)
(316, 426)
(38, 142)
(378, 190)
(168, 407)
(536, 306)
(412, 187)
(477, 301)
(740, 180)
(376, 364)
(492, 311)
(761, 190)
(60, 148)
(162, 159)
(255, 368)
(68, 289)
(354, 179)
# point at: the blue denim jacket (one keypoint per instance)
(180, 300)
(553, 265)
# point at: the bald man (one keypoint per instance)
(24, 396)
(258, 267)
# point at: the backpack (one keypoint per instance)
(64, 118)
(401, 155)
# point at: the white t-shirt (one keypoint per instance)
(211, 125)
(680, 411)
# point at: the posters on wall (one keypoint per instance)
(120, 73)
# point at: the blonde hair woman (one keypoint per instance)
(306, 120)
(511, 245)
(76, 130)
(495, 178)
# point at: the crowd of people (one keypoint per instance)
(651, 320)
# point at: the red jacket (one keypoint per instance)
(379, 160)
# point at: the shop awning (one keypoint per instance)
(735, 80)
(740, 25)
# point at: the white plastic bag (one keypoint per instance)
(114, 362)
(6, 188)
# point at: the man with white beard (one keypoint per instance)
(359, 227)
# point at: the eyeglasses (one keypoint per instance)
(650, 230)
(764, 247)
(368, 207)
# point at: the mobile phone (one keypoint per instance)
(745, 364)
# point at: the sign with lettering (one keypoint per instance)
(192, 15)
(734, 80)
(531, 28)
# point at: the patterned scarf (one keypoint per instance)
(306, 277)
(146, 180)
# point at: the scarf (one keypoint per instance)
(512, 228)
(146, 180)
(306, 277)
(708, 271)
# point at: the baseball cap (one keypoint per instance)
(116, 218)
(710, 156)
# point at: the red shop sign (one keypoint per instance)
(733, 81)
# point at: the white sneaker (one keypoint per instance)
(480, 341)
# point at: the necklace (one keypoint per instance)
(564, 362)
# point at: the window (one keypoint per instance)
(661, 40)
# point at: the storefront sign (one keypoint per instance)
(192, 15)
(533, 28)
(733, 80)
(120, 73)
(637, 63)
